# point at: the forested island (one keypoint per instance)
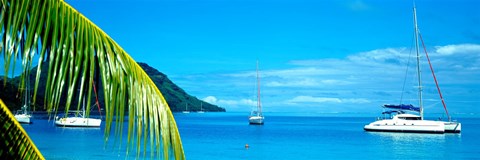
(175, 96)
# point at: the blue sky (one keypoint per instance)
(315, 56)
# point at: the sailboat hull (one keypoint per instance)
(452, 127)
(78, 122)
(256, 120)
(23, 118)
(411, 126)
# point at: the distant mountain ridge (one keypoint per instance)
(175, 96)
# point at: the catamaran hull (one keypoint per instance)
(23, 118)
(452, 127)
(417, 126)
(78, 122)
(256, 120)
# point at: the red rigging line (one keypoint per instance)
(435, 78)
(96, 98)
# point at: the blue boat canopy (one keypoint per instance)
(393, 111)
(402, 107)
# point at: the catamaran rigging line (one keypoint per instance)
(435, 79)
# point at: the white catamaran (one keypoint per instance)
(406, 122)
(256, 117)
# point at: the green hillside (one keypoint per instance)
(175, 96)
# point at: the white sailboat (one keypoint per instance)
(78, 118)
(201, 108)
(22, 115)
(404, 122)
(256, 117)
(186, 108)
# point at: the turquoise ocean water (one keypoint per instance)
(224, 135)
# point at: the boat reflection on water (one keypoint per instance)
(401, 138)
(407, 137)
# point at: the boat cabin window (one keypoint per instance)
(409, 118)
(412, 118)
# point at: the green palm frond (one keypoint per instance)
(51, 31)
(14, 140)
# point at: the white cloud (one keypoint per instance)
(339, 82)
(310, 99)
(210, 99)
(307, 82)
(458, 49)
(336, 82)
(358, 5)
(297, 72)
(459, 58)
(304, 70)
(381, 57)
(234, 103)
(356, 100)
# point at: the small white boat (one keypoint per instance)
(201, 108)
(77, 119)
(256, 117)
(186, 109)
(22, 116)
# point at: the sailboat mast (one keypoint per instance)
(259, 107)
(419, 72)
(83, 108)
(26, 92)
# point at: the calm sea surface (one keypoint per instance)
(224, 135)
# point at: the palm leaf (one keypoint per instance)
(15, 142)
(51, 31)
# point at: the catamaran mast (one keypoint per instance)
(418, 62)
(259, 107)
